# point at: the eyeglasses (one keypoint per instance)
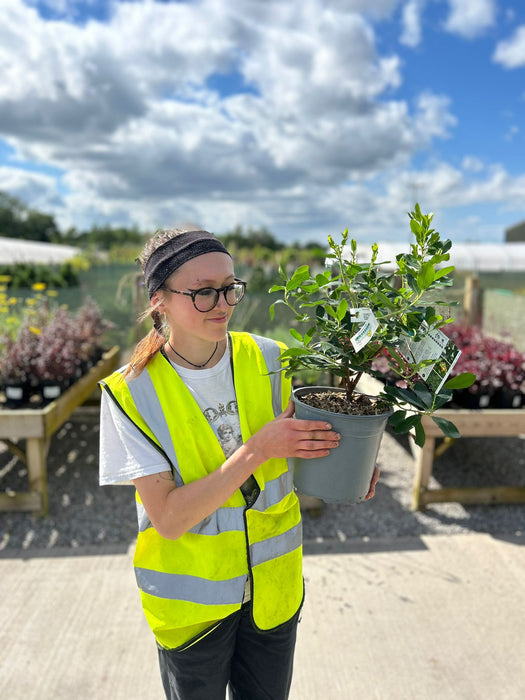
(207, 298)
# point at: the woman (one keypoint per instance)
(218, 554)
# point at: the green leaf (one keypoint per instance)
(448, 428)
(444, 271)
(412, 283)
(299, 276)
(294, 352)
(407, 424)
(415, 226)
(423, 394)
(397, 418)
(342, 309)
(461, 381)
(295, 334)
(426, 275)
(309, 335)
(405, 395)
(419, 436)
(442, 398)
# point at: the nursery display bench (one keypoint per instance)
(37, 425)
(487, 422)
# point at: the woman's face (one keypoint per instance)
(208, 270)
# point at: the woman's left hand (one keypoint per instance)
(372, 489)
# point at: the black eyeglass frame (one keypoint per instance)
(194, 292)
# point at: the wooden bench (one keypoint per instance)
(480, 423)
(36, 427)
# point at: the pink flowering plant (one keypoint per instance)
(41, 341)
(497, 364)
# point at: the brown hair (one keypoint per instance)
(149, 346)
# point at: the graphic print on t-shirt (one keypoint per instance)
(226, 420)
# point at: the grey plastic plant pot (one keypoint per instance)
(344, 475)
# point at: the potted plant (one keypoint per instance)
(91, 328)
(57, 356)
(16, 365)
(351, 313)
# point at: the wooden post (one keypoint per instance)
(36, 452)
(424, 463)
(472, 300)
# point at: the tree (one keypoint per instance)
(19, 221)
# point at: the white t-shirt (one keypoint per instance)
(126, 455)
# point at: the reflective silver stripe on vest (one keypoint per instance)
(274, 491)
(264, 551)
(148, 405)
(222, 520)
(271, 352)
(142, 517)
(191, 588)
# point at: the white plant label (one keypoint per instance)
(434, 346)
(364, 334)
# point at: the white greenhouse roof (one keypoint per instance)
(469, 257)
(15, 250)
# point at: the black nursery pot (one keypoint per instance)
(507, 398)
(466, 399)
(17, 393)
(50, 390)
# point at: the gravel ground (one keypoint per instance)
(83, 514)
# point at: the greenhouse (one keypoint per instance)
(16, 250)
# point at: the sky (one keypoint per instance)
(306, 117)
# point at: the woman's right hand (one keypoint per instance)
(286, 436)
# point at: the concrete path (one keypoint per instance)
(435, 618)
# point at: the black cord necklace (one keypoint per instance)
(192, 363)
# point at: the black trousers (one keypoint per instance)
(257, 665)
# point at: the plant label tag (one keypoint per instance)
(364, 334)
(434, 346)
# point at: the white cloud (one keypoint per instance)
(511, 52)
(126, 110)
(470, 18)
(133, 119)
(37, 189)
(411, 23)
(472, 164)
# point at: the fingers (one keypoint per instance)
(373, 482)
(288, 411)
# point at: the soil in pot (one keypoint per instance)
(337, 402)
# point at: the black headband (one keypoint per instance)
(171, 255)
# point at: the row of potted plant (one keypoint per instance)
(44, 348)
(499, 368)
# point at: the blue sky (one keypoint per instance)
(303, 116)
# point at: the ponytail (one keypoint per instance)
(148, 346)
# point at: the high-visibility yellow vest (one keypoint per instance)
(190, 584)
